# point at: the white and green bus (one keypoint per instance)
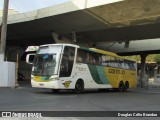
(72, 67)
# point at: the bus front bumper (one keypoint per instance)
(49, 84)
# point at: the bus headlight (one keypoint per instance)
(53, 79)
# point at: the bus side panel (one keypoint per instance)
(92, 75)
(80, 71)
(112, 74)
(98, 74)
(131, 76)
(116, 75)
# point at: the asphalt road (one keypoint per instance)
(33, 99)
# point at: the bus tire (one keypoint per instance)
(126, 86)
(55, 90)
(79, 86)
(121, 87)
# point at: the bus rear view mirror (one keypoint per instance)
(30, 58)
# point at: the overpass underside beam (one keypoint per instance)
(75, 40)
(58, 39)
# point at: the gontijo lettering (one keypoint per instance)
(115, 71)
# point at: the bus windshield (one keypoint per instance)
(46, 61)
(44, 65)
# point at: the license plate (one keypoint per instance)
(41, 84)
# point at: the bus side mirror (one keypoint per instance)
(30, 58)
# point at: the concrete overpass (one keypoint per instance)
(97, 22)
(137, 47)
(93, 22)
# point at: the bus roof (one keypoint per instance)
(100, 51)
(63, 44)
(105, 52)
(89, 49)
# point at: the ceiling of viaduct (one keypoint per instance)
(122, 21)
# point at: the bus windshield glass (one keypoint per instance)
(46, 61)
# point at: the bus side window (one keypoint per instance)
(105, 60)
(135, 65)
(126, 64)
(129, 64)
(67, 61)
(91, 58)
(113, 62)
(81, 56)
(121, 63)
(94, 58)
(118, 63)
(132, 66)
(100, 59)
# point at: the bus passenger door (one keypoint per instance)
(67, 61)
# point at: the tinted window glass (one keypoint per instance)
(81, 56)
(113, 62)
(105, 60)
(94, 58)
(67, 61)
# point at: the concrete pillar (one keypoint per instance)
(143, 80)
(155, 73)
(4, 31)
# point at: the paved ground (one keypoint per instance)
(33, 99)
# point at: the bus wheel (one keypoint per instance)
(121, 87)
(79, 86)
(55, 90)
(126, 86)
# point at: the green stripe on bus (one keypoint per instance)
(98, 74)
(84, 48)
(102, 74)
